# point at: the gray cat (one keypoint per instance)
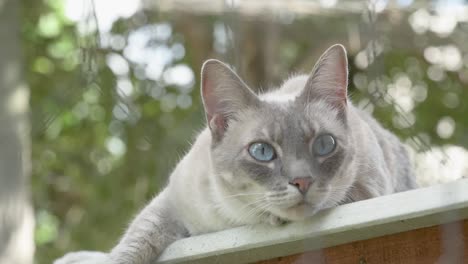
(275, 157)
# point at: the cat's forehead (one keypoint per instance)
(283, 120)
(278, 122)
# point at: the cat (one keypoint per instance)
(274, 157)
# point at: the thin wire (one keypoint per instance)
(232, 49)
(380, 93)
(86, 70)
(88, 75)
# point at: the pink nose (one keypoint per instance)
(302, 184)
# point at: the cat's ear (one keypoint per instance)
(224, 94)
(329, 78)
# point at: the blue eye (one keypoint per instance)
(324, 145)
(262, 151)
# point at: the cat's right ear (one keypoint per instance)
(224, 95)
(329, 79)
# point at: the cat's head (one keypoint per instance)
(282, 152)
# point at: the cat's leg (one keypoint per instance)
(149, 234)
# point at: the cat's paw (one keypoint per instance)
(275, 220)
(84, 257)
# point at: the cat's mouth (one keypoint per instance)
(303, 209)
(302, 204)
(297, 211)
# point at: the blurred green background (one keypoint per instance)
(115, 99)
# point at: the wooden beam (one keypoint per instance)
(252, 8)
(446, 243)
(272, 7)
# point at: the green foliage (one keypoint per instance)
(46, 228)
(98, 155)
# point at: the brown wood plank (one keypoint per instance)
(442, 244)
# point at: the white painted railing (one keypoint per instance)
(347, 223)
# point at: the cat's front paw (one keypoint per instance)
(84, 257)
(275, 220)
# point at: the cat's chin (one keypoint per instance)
(297, 212)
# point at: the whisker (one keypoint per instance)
(277, 195)
(252, 210)
(242, 194)
(219, 204)
(265, 209)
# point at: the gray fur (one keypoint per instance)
(218, 185)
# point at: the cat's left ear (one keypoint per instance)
(224, 95)
(329, 78)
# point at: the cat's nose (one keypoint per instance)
(302, 183)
